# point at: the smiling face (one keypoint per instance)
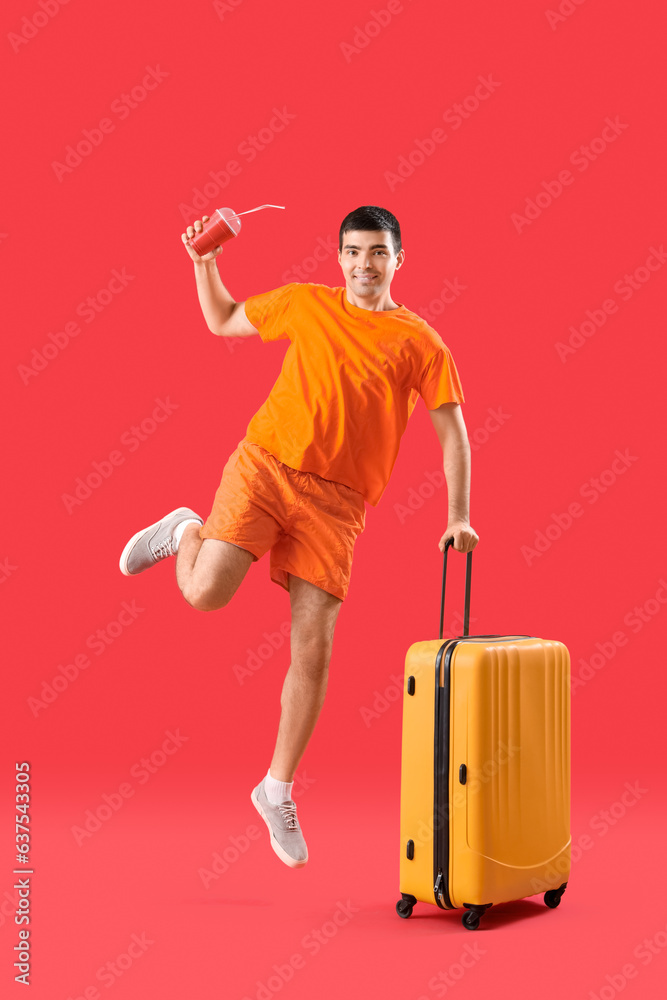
(368, 261)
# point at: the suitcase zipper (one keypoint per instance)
(441, 804)
(441, 778)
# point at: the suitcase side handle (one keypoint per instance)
(466, 608)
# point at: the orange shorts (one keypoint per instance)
(310, 524)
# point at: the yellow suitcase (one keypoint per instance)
(485, 770)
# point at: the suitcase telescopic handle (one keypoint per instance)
(466, 609)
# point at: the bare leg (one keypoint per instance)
(314, 614)
(209, 572)
(186, 557)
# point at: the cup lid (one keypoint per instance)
(231, 219)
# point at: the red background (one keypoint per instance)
(356, 113)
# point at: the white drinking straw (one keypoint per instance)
(250, 210)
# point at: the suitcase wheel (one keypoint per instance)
(553, 896)
(473, 915)
(404, 905)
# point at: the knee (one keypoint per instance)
(312, 659)
(202, 599)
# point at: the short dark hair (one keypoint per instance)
(370, 218)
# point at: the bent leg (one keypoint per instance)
(209, 572)
(314, 614)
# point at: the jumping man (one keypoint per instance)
(322, 445)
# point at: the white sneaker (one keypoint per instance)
(152, 544)
(286, 836)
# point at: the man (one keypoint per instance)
(323, 444)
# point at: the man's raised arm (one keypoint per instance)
(224, 316)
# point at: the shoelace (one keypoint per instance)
(163, 549)
(288, 813)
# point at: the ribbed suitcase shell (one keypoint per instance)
(505, 833)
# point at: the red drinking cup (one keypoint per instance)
(222, 226)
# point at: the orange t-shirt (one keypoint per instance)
(349, 382)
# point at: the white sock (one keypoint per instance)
(277, 791)
(180, 528)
